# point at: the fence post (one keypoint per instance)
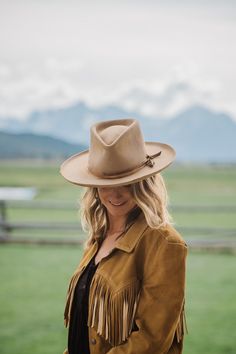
(3, 218)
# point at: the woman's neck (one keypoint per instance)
(116, 224)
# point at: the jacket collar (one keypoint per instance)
(125, 243)
(129, 240)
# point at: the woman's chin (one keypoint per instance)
(118, 211)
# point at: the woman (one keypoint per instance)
(127, 294)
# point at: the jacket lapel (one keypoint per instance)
(129, 240)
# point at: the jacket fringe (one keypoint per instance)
(108, 307)
(182, 325)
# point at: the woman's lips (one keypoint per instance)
(116, 204)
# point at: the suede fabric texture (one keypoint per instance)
(136, 301)
(117, 156)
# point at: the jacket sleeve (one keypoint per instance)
(159, 314)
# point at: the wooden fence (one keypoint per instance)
(216, 239)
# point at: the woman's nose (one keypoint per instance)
(116, 192)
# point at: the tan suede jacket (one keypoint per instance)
(136, 301)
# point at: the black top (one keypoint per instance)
(78, 341)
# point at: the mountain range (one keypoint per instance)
(198, 134)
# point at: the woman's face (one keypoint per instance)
(117, 200)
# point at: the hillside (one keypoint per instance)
(26, 145)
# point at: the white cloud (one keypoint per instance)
(63, 67)
(154, 56)
(25, 88)
(55, 84)
(5, 71)
(167, 95)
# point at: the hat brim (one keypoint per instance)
(75, 170)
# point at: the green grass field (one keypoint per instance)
(34, 278)
(33, 286)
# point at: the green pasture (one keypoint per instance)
(34, 278)
(33, 286)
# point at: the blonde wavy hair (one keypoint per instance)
(150, 196)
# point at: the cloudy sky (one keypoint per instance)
(155, 56)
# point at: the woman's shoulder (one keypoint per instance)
(171, 235)
(167, 233)
(159, 245)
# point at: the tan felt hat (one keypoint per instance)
(117, 156)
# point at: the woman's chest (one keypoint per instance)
(105, 249)
(119, 269)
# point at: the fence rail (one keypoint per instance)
(37, 204)
(39, 226)
(224, 238)
(76, 226)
